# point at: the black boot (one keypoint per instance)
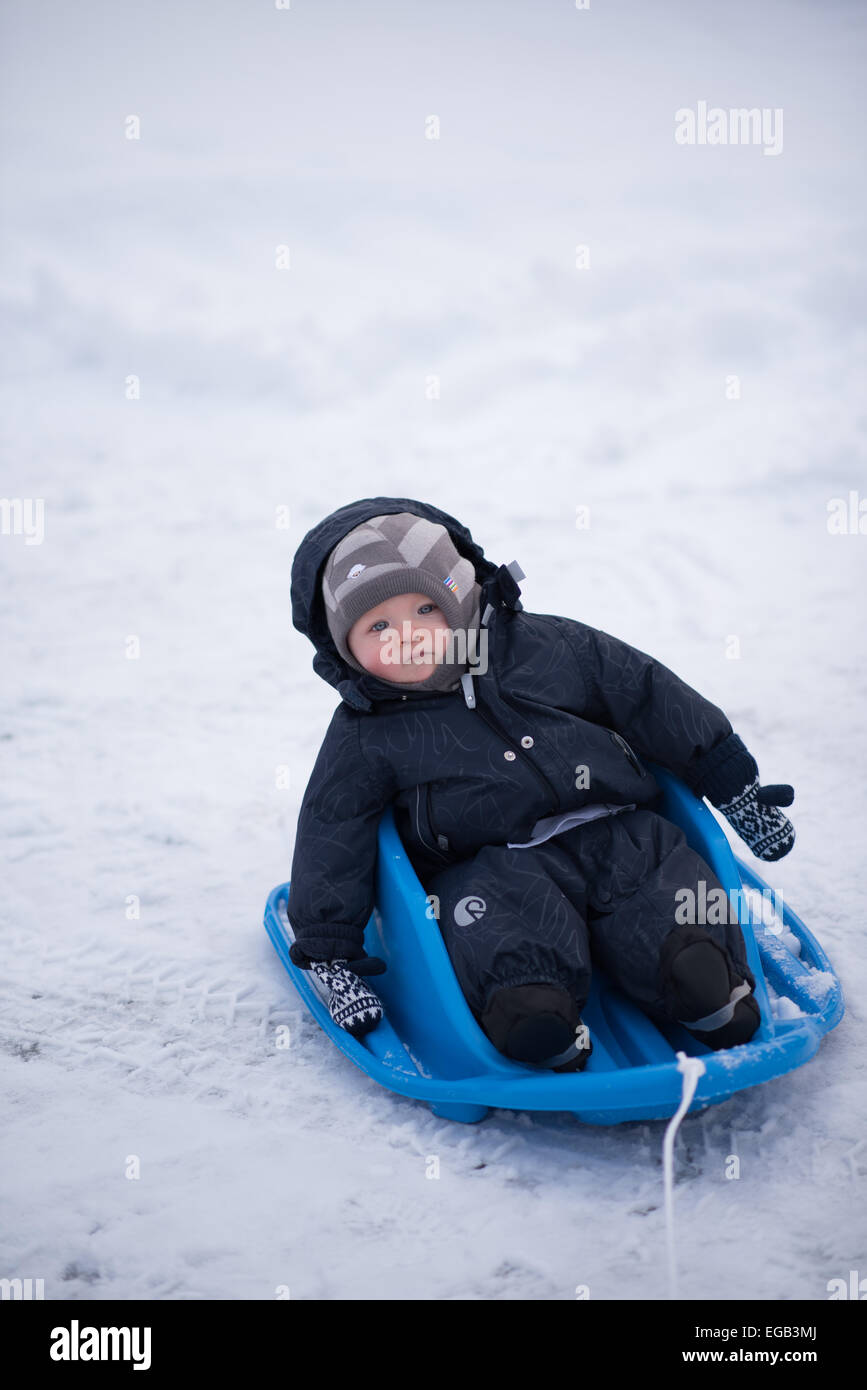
(539, 1024)
(703, 990)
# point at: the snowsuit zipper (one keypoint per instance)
(439, 846)
(441, 840)
(621, 742)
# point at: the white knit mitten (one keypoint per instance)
(754, 815)
(351, 1004)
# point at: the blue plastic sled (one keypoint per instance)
(428, 1044)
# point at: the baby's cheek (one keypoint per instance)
(381, 656)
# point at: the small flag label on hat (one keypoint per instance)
(450, 584)
(355, 571)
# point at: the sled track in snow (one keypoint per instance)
(166, 1027)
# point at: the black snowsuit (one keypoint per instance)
(557, 697)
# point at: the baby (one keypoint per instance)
(500, 739)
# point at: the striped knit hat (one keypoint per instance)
(402, 553)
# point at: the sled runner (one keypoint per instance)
(429, 1046)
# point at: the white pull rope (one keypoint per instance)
(692, 1068)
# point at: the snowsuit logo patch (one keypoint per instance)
(469, 910)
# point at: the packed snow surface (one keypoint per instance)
(280, 295)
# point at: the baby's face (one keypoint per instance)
(387, 638)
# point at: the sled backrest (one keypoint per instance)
(419, 989)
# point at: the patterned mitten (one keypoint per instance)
(754, 815)
(352, 1005)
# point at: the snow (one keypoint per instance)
(783, 1007)
(159, 1139)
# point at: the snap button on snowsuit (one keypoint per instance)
(526, 741)
(510, 755)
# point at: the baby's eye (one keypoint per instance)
(375, 627)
